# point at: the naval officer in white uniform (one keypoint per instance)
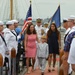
(11, 40)
(39, 29)
(2, 41)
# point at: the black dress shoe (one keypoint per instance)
(42, 73)
(49, 70)
(70, 73)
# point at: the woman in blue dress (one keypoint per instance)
(53, 40)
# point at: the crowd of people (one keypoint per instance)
(10, 37)
(41, 44)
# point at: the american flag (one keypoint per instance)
(28, 18)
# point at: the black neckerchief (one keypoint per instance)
(66, 35)
(3, 39)
(14, 34)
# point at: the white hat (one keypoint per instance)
(72, 17)
(15, 21)
(1, 23)
(66, 19)
(9, 22)
(45, 23)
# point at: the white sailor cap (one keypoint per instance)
(65, 20)
(46, 23)
(1, 23)
(9, 22)
(15, 21)
(72, 17)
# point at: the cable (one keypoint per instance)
(4, 8)
(37, 9)
(1, 8)
(7, 10)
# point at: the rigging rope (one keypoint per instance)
(7, 10)
(36, 8)
(1, 13)
(4, 8)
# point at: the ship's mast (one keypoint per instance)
(11, 9)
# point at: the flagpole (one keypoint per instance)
(11, 9)
(60, 19)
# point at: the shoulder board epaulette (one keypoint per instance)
(7, 32)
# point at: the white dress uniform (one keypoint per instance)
(67, 30)
(71, 58)
(66, 33)
(38, 30)
(11, 42)
(10, 39)
(3, 47)
(42, 54)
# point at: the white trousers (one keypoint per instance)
(70, 69)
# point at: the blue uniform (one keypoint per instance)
(18, 30)
(68, 41)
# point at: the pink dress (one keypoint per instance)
(31, 45)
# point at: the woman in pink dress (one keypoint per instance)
(30, 45)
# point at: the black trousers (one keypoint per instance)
(18, 57)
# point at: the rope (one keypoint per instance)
(4, 8)
(36, 8)
(7, 10)
(1, 3)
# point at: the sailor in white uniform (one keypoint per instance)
(10, 36)
(65, 25)
(2, 41)
(71, 57)
(68, 42)
(11, 40)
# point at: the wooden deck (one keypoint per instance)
(38, 72)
